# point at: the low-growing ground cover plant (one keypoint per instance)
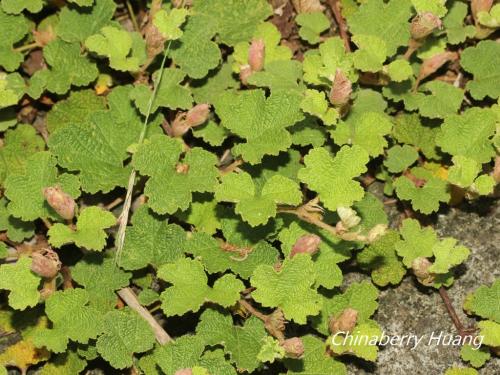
(184, 184)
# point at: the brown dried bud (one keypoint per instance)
(307, 6)
(275, 323)
(294, 347)
(420, 267)
(432, 64)
(184, 371)
(480, 6)
(61, 202)
(45, 263)
(245, 72)
(345, 322)
(44, 37)
(256, 55)
(341, 90)
(308, 243)
(424, 24)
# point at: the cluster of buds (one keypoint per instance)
(184, 121)
(256, 58)
(345, 322)
(424, 24)
(308, 244)
(60, 201)
(45, 263)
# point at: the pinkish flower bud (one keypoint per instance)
(184, 371)
(341, 90)
(61, 202)
(308, 243)
(45, 263)
(345, 322)
(256, 54)
(245, 72)
(182, 168)
(197, 115)
(480, 6)
(432, 64)
(294, 347)
(424, 24)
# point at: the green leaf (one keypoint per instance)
(168, 24)
(371, 53)
(67, 67)
(362, 341)
(453, 23)
(312, 25)
(63, 364)
(89, 232)
(170, 93)
(11, 89)
(184, 352)
(151, 240)
(261, 122)
(491, 18)
(361, 297)
(71, 319)
(463, 171)
(16, 6)
(436, 7)
(399, 70)
(242, 343)
(409, 129)
(447, 255)
(215, 259)
(424, 198)
(125, 333)
(316, 104)
(399, 158)
(279, 75)
(13, 29)
(491, 332)
(17, 230)
(293, 282)
(380, 257)
(478, 61)
(469, 134)
(477, 357)
(77, 24)
(172, 181)
(368, 132)
(484, 302)
(322, 172)
(25, 188)
(444, 100)
(101, 278)
(256, 207)
(388, 21)
(417, 242)
(203, 215)
(315, 359)
(21, 282)
(126, 51)
(187, 274)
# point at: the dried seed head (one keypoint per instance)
(420, 267)
(345, 322)
(45, 263)
(275, 323)
(294, 347)
(307, 6)
(256, 55)
(341, 90)
(308, 244)
(424, 24)
(61, 202)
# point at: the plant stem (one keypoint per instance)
(334, 5)
(123, 219)
(130, 298)
(132, 15)
(462, 331)
(27, 47)
(252, 310)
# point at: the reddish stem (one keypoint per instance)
(334, 5)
